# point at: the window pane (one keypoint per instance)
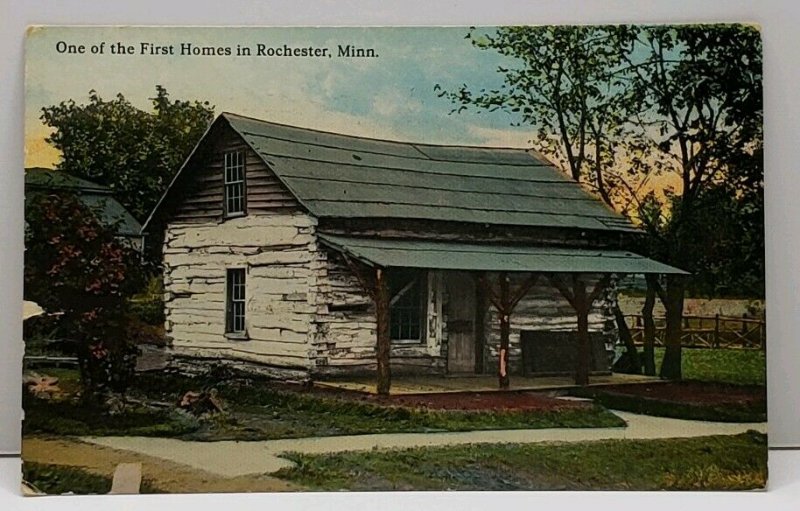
(406, 314)
(234, 174)
(235, 321)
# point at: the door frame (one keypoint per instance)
(477, 326)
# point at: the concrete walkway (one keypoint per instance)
(232, 459)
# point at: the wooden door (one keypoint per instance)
(460, 322)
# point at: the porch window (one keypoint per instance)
(235, 301)
(407, 305)
(234, 200)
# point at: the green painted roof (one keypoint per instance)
(97, 197)
(390, 253)
(335, 175)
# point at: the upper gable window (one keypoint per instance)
(234, 200)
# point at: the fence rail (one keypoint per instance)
(707, 331)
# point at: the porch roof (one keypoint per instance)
(453, 255)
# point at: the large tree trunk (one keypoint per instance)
(671, 366)
(383, 342)
(634, 362)
(649, 328)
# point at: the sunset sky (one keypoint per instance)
(390, 96)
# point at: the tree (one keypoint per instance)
(77, 268)
(648, 100)
(571, 86)
(568, 85)
(702, 109)
(133, 152)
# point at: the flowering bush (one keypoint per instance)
(76, 267)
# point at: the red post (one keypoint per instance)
(505, 332)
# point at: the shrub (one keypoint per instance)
(77, 267)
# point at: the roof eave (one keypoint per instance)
(189, 158)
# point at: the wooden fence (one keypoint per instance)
(707, 331)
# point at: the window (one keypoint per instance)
(235, 301)
(234, 184)
(407, 290)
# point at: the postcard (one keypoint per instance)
(439, 258)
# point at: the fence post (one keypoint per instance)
(716, 331)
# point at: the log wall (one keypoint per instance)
(344, 338)
(542, 308)
(201, 191)
(277, 252)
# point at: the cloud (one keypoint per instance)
(387, 97)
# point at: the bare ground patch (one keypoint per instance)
(167, 476)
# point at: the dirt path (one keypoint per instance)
(236, 459)
(166, 475)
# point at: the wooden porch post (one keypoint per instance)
(377, 287)
(505, 303)
(383, 348)
(584, 346)
(505, 332)
(581, 302)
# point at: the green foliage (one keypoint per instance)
(260, 411)
(150, 310)
(57, 479)
(77, 267)
(133, 152)
(725, 412)
(727, 236)
(706, 463)
(569, 85)
(737, 367)
(81, 419)
(619, 106)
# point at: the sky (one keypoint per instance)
(390, 96)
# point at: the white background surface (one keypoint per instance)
(779, 21)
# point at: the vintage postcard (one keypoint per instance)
(301, 259)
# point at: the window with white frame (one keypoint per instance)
(235, 301)
(234, 200)
(407, 291)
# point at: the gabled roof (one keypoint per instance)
(96, 196)
(342, 176)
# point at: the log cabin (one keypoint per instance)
(298, 253)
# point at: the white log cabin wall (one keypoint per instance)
(277, 253)
(344, 341)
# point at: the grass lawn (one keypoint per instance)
(718, 385)
(265, 414)
(260, 411)
(708, 463)
(684, 400)
(58, 479)
(739, 367)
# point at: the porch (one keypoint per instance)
(580, 275)
(406, 385)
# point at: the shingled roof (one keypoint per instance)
(342, 176)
